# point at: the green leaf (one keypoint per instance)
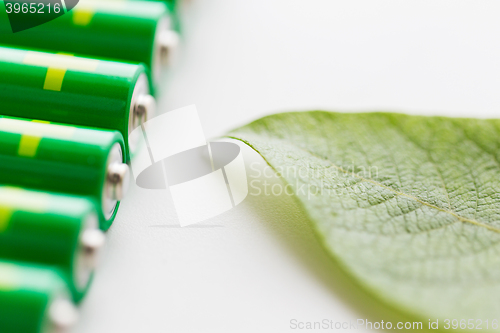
(408, 205)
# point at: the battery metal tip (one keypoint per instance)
(92, 241)
(169, 43)
(145, 109)
(62, 316)
(118, 180)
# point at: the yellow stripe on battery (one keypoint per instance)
(57, 65)
(54, 79)
(82, 16)
(5, 216)
(28, 145)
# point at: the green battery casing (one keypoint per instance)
(46, 228)
(118, 30)
(173, 6)
(26, 293)
(71, 90)
(59, 158)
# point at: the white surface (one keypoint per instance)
(174, 132)
(258, 266)
(142, 159)
(201, 198)
(237, 179)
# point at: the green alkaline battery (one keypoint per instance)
(173, 6)
(34, 299)
(62, 158)
(50, 229)
(130, 31)
(74, 90)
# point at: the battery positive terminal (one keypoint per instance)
(118, 180)
(145, 109)
(63, 315)
(168, 42)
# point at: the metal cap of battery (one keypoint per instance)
(117, 180)
(169, 43)
(91, 241)
(165, 48)
(144, 109)
(62, 315)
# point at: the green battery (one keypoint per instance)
(173, 6)
(50, 229)
(68, 159)
(130, 31)
(34, 299)
(74, 90)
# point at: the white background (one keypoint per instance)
(258, 266)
